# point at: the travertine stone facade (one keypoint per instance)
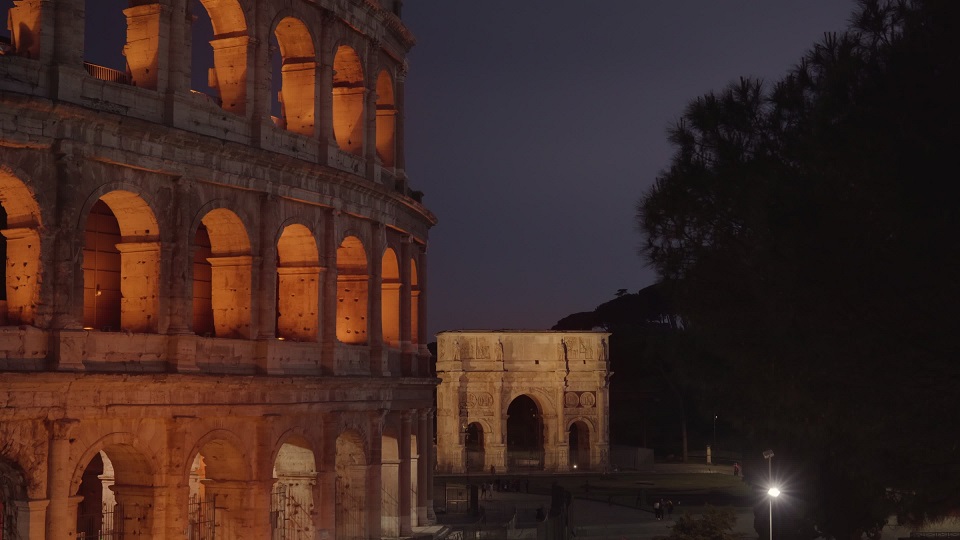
(207, 305)
(565, 376)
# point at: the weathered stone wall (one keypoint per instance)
(112, 183)
(566, 374)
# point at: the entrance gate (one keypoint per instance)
(202, 516)
(290, 518)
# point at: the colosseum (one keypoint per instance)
(213, 323)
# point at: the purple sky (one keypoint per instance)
(534, 128)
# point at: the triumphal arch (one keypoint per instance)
(214, 273)
(522, 400)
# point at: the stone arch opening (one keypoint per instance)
(386, 120)
(104, 58)
(298, 284)
(351, 481)
(13, 490)
(524, 434)
(218, 490)
(117, 490)
(19, 252)
(414, 304)
(222, 24)
(348, 100)
(121, 265)
(292, 504)
(390, 298)
(474, 446)
(229, 267)
(202, 295)
(578, 441)
(352, 289)
(295, 60)
(390, 483)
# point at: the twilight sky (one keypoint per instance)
(534, 127)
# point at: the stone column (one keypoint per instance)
(374, 489)
(31, 519)
(423, 362)
(424, 441)
(431, 465)
(147, 28)
(370, 108)
(400, 161)
(378, 353)
(62, 511)
(408, 352)
(404, 483)
(267, 295)
(328, 316)
(324, 120)
(180, 278)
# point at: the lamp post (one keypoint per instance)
(773, 492)
(714, 433)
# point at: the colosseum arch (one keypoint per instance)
(116, 482)
(121, 263)
(351, 485)
(217, 474)
(20, 251)
(295, 478)
(13, 492)
(386, 120)
(390, 298)
(352, 291)
(298, 284)
(228, 77)
(107, 22)
(348, 100)
(298, 75)
(226, 273)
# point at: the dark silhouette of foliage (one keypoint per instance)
(714, 524)
(808, 231)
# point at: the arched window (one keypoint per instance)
(298, 284)
(296, 95)
(390, 299)
(386, 120)
(121, 265)
(348, 98)
(352, 288)
(19, 251)
(229, 266)
(220, 45)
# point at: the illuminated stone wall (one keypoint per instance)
(565, 374)
(195, 304)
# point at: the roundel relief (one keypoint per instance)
(479, 399)
(571, 399)
(587, 399)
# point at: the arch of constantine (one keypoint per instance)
(212, 312)
(521, 400)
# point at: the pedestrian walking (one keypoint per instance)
(669, 508)
(657, 509)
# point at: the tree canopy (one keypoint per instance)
(807, 232)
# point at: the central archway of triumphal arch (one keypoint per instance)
(520, 400)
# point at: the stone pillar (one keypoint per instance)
(68, 32)
(389, 501)
(370, 108)
(431, 466)
(404, 480)
(147, 25)
(31, 519)
(400, 161)
(139, 287)
(423, 362)
(180, 271)
(138, 504)
(374, 488)
(328, 316)
(267, 295)
(324, 114)
(408, 352)
(424, 441)
(232, 57)
(177, 68)
(378, 353)
(62, 511)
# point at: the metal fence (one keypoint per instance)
(107, 74)
(105, 525)
(289, 516)
(202, 517)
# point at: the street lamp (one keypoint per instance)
(773, 492)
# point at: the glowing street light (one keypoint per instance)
(773, 492)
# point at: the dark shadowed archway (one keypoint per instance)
(524, 434)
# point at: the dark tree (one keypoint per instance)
(810, 233)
